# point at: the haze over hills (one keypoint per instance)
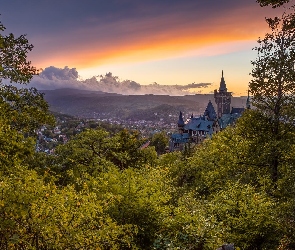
(97, 104)
(107, 96)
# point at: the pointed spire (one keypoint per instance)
(222, 86)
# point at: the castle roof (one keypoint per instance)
(210, 112)
(237, 110)
(180, 138)
(228, 119)
(200, 124)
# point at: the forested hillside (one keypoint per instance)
(106, 190)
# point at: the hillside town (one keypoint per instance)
(193, 129)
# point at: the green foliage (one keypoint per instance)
(160, 142)
(24, 109)
(126, 151)
(273, 3)
(139, 197)
(189, 226)
(247, 217)
(94, 151)
(229, 178)
(85, 153)
(111, 128)
(273, 87)
(103, 190)
(13, 58)
(273, 73)
(35, 215)
(14, 149)
(180, 170)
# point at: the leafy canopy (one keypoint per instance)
(13, 58)
(273, 3)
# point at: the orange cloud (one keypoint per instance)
(157, 38)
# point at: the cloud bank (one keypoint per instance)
(102, 32)
(56, 78)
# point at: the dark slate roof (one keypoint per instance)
(237, 110)
(210, 112)
(228, 119)
(200, 124)
(181, 138)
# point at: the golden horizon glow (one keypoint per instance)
(146, 43)
(156, 43)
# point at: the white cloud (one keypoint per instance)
(57, 78)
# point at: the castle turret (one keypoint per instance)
(222, 98)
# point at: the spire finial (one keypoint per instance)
(222, 73)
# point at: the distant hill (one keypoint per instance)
(97, 104)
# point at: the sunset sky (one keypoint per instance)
(163, 41)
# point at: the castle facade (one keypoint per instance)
(196, 129)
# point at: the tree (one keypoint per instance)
(138, 197)
(86, 153)
(13, 58)
(160, 142)
(273, 83)
(127, 150)
(14, 149)
(94, 150)
(273, 3)
(35, 213)
(39, 215)
(227, 184)
(23, 109)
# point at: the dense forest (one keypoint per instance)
(103, 190)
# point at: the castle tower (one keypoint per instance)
(222, 98)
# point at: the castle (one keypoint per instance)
(196, 129)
